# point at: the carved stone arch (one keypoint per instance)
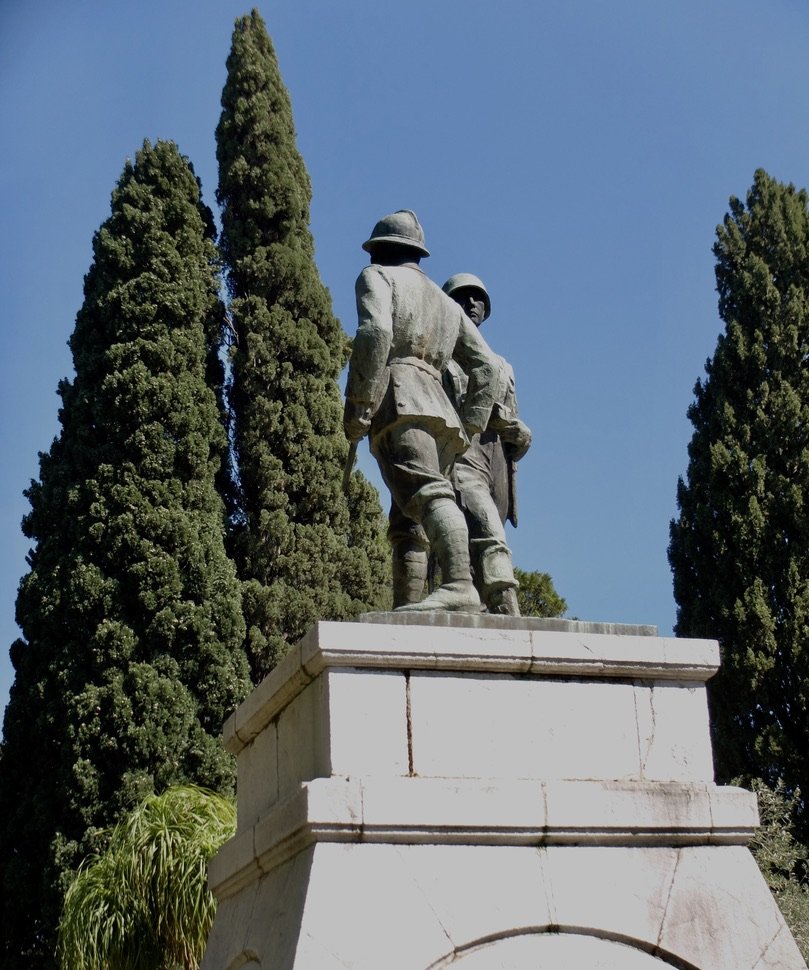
(546, 948)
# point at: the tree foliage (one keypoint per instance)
(739, 548)
(782, 858)
(132, 651)
(144, 903)
(302, 557)
(537, 595)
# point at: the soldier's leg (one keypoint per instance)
(413, 462)
(445, 527)
(409, 547)
(490, 556)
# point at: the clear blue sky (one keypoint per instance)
(576, 154)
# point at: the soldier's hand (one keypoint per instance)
(356, 421)
(517, 436)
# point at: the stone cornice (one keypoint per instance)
(414, 811)
(502, 645)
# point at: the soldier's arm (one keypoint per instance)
(481, 367)
(453, 381)
(504, 421)
(511, 388)
(367, 369)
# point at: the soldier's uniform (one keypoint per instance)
(483, 475)
(408, 331)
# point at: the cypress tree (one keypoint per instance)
(300, 553)
(739, 549)
(132, 651)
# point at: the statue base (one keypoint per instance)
(417, 791)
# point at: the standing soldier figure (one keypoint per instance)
(485, 475)
(407, 333)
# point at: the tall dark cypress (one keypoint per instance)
(740, 545)
(132, 653)
(302, 556)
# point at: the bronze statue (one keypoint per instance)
(484, 477)
(408, 331)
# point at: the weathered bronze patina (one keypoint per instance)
(485, 476)
(408, 332)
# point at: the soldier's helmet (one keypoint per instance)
(466, 281)
(401, 228)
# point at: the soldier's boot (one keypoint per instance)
(409, 573)
(503, 602)
(495, 575)
(446, 529)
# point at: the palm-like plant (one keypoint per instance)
(144, 904)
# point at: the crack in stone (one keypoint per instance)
(409, 716)
(425, 895)
(767, 947)
(547, 887)
(641, 764)
(648, 741)
(668, 900)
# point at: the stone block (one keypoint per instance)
(303, 738)
(403, 647)
(602, 654)
(434, 810)
(782, 952)
(274, 921)
(605, 811)
(364, 908)
(720, 888)
(340, 723)
(479, 891)
(673, 731)
(234, 866)
(733, 810)
(618, 891)
(504, 727)
(367, 722)
(227, 942)
(329, 809)
(257, 777)
(267, 700)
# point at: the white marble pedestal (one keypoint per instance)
(420, 792)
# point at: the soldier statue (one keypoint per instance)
(408, 331)
(484, 477)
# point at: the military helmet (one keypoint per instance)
(401, 228)
(466, 281)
